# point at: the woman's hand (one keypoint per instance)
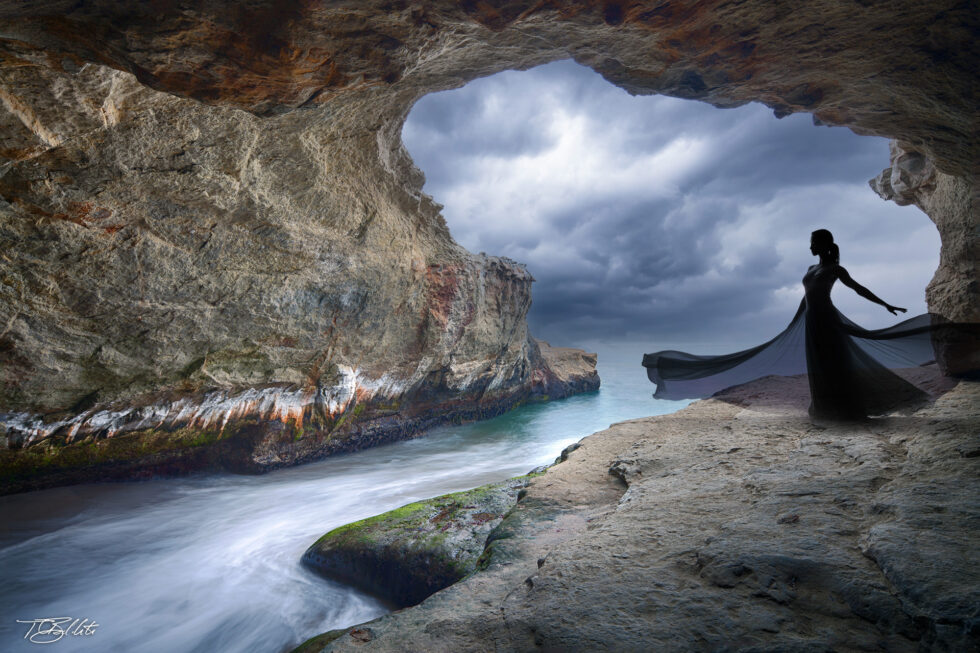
(892, 309)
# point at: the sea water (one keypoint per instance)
(211, 562)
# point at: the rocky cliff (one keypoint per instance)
(212, 239)
(953, 204)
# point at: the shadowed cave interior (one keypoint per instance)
(200, 203)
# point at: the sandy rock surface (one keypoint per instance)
(733, 524)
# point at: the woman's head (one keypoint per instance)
(822, 245)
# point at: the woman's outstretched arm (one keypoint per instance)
(845, 278)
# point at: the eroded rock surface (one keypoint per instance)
(844, 61)
(208, 219)
(733, 524)
(953, 204)
(411, 552)
(261, 428)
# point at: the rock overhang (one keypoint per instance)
(903, 70)
(198, 198)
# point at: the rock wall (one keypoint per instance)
(953, 204)
(175, 267)
(208, 218)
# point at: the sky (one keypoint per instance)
(658, 221)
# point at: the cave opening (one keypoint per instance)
(214, 247)
(651, 219)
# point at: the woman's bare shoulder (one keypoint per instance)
(840, 272)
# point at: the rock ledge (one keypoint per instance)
(733, 524)
(255, 430)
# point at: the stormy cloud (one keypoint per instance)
(658, 220)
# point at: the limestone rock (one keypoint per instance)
(953, 204)
(259, 429)
(905, 69)
(910, 179)
(208, 219)
(409, 553)
(563, 370)
(733, 524)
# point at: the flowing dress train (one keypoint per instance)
(847, 366)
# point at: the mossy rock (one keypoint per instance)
(357, 634)
(319, 642)
(411, 552)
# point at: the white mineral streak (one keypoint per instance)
(506, 372)
(463, 375)
(218, 407)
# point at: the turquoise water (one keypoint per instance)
(211, 562)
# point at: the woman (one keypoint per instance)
(845, 382)
(845, 364)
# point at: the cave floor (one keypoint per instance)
(733, 524)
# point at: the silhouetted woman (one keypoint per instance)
(846, 380)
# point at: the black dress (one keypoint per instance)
(846, 383)
(847, 366)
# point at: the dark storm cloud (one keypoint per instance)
(657, 219)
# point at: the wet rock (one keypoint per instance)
(563, 371)
(859, 537)
(256, 429)
(407, 554)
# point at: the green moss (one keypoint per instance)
(415, 516)
(407, 553)
(484, 560)
(318, 643)
(357, 529)
(496, 549)
(90, 452)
